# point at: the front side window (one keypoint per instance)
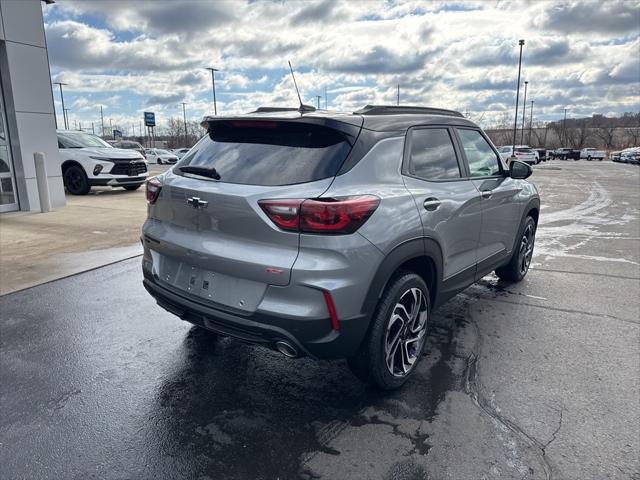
(432, 155)
(483, 162)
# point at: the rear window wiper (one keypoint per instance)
(202, 171)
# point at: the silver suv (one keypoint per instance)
(335, 235)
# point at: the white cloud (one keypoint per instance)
(447, 54)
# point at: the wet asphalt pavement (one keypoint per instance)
(530, 381)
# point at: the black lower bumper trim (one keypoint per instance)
(263, 329)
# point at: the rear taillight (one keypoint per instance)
(153, 189)
(323, 215)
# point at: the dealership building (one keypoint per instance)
(27, 115)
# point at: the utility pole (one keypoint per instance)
(515, 122)
(102, 120)
(213, 86)
(64, 115)
(530, 122)
(398, 100)
(318, 97)
(184, 116)
(524, 109)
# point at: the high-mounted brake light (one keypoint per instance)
(153, 188)
(324, 215)
(253, 124)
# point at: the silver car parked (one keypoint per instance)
(335, 235)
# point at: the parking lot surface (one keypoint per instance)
(536, 380)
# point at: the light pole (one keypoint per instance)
(65, 112)
(398, 99)
(530, 122)
(64, 115)
(318, 97)
(564, 127)
(102, 120)
(515, 122)
(184, 116)
(325, 98)
(213, 86)
(524, 110)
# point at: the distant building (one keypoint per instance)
(27, 116)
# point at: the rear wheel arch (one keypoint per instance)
(422, 256)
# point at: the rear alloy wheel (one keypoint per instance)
(76, 181)
(393, 346)
(520, 262)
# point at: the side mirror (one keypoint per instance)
(519, 170)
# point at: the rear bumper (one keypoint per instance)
(312, 337)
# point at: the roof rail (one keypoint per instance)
(397, 110)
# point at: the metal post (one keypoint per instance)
(213, 87)
(184, 116)
(64, 115)
(524, 109)
(102, 120)
(41, 180)
(564, 127)
(515, 122)
(530, 122)
(398, 100)
(93, 130)
(325, 98)
(318, 97)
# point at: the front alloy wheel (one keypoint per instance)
(526, 249)
(405, 332)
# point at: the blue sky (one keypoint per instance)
(135, 56)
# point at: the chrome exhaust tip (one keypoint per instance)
(286, 349)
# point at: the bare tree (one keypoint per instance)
(633, 136)
(606, 134)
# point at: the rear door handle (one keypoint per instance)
(486, 193)
(431, 204)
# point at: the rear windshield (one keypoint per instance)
(524, 150)
(269, 153)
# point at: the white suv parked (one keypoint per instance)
(88, 161)
(523, 153)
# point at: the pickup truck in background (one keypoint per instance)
(592, 154)
(565, 153)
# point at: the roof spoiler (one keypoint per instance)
(397, 110)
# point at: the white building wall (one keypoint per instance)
(28, 99)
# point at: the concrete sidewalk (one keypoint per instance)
(91, 231)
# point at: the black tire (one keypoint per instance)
(589, 158)
(132, 187)
(159, 162)
(390, 326)
(76, 181)
(518, 265)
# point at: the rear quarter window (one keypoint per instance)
(269, 153)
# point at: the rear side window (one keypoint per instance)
(483, 162)
(255, 152)
(432, 155)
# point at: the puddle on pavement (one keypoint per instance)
(222, 401)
